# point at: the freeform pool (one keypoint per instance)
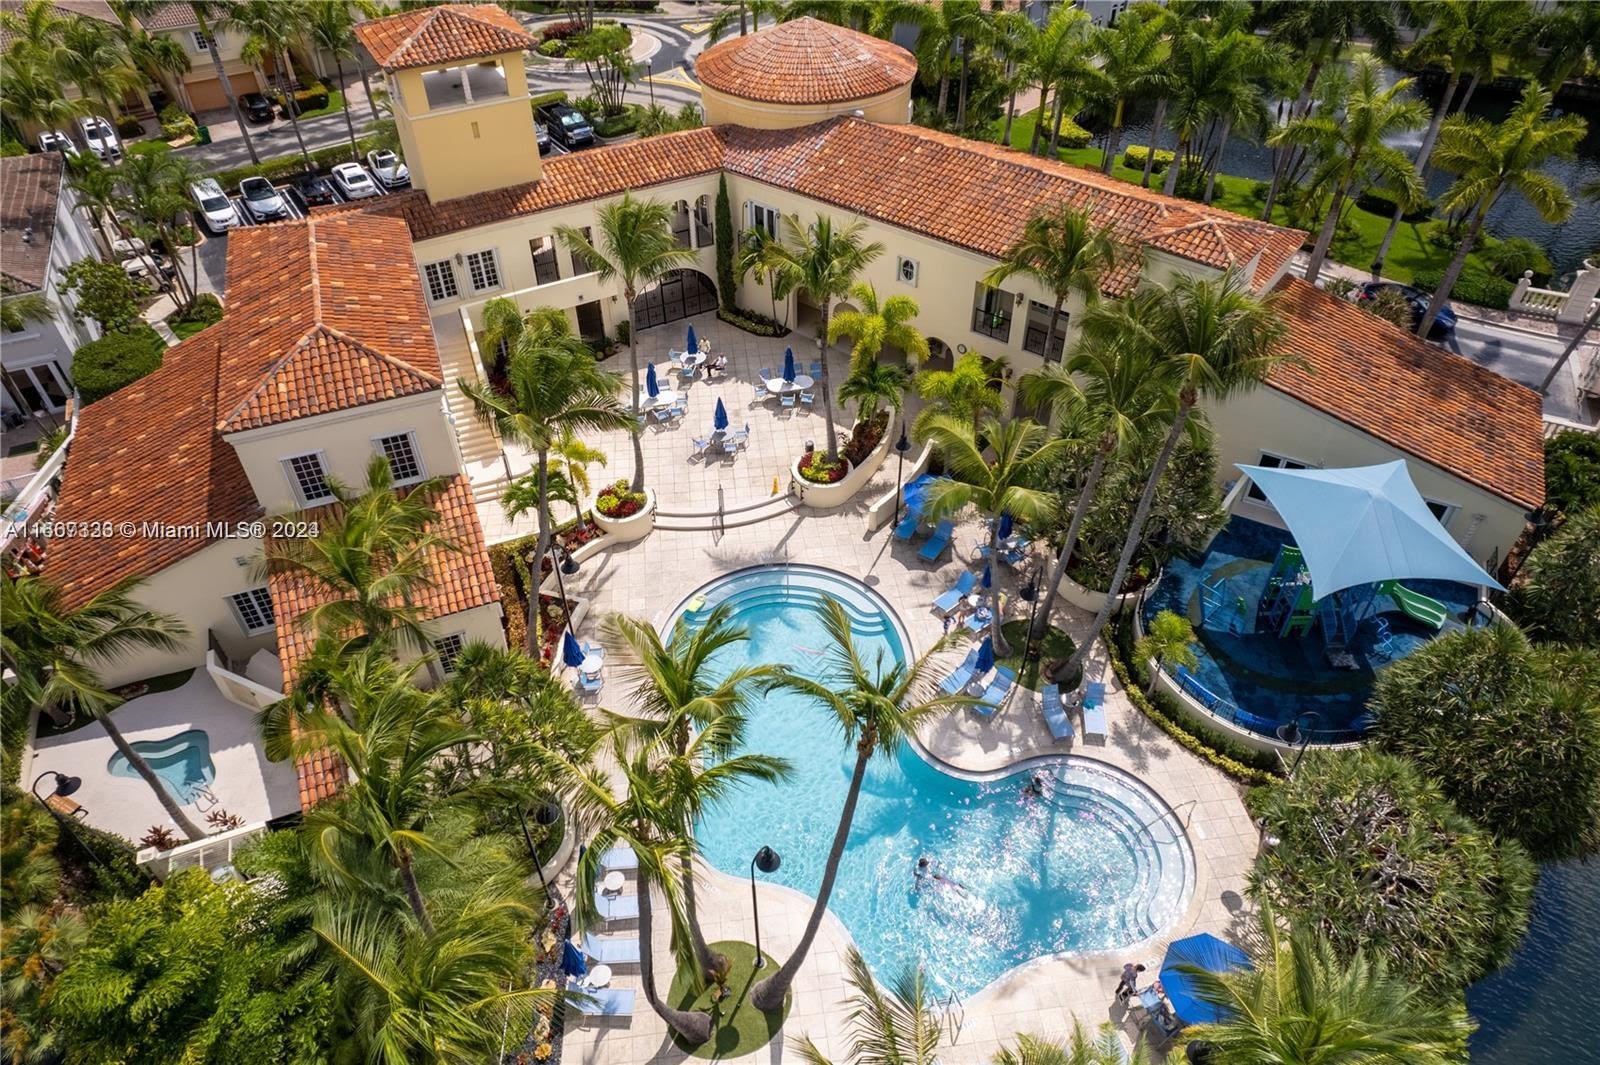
(182, 761)
(1097, 863)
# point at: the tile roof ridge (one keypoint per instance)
(316, 279)
(427, 20)
(367, 349)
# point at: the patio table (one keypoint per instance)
(778, 386)
(665, 398)
(694, 359)
(613, 882)
(598, 977)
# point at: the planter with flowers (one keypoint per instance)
(624, 514)
(825, 485)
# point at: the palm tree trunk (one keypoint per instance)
(293, 106)
(1011, 104)
(1055, 124)
(1330, 224)
(142, 767)
(1423, 154)
(408, 877)
(1131, 544)
(694, 1027)
(1038, 119)
(1216, 159)
(944, 88)
(633, 365)
(541, 548)
(1178, 155)
(743, 27)
(1050, 333)
(827, 391)
(768, 994)
(1448, 281)
(227, 90)
(1472, 87)
(709, 961)
(961, 94)
(997, 634)
(366, 86)
(1041, 620)
(1155, 139)
(1113, 138)
(349, 123)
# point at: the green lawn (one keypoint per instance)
(164, 683)
(738, 1028)
(1410, 253)
(1056, 646)
(335, 104)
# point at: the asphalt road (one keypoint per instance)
(1525, 357)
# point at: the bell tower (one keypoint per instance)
(459, 90)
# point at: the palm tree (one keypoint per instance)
(953, 26)
(676, 691)
(1215, 73)
(269, 28)
(553, 386)
(1131, 61)
(367, 563)
(92, 57)
(1118, 393)
(1352, 151)
(875, 707)
(1169, 640)
(1009, 482)
(52, 646)
(31, 94)
(969, 388)
(1061, 48)
(879, 322)
(1062, 250)
(211, 18)
(895, 1024)
(753, 261)
(1220, 339)
(822, 262)
(1104, 1048)
(330, 25)
(1077, 75)
(1303, 1004)
(153, 189)
(24, 307)
(873, 385)
(1570, 36)
(636, 249)
(1490, 160)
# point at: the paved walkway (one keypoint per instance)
(650, 578)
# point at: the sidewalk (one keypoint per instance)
(227, 148)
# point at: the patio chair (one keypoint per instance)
(601, 1001)
(787, 399)
(699, 444)
(955, 593)
(588, 685)
(614, 950)
(760, 394)
(619, 858)
(939, 542)
(675, 356)
(616, 907)
(815, 369)
(739, 437)
(908, 525)
(808, 398)
(998, 691)
(961, 676)
(977, 621)
(678, 409)
(765, 373)
(1055, 714)
(1094, 712)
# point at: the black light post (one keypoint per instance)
(1030, 595)
(1292, 733)
(65, 786)
(902, 445)
(546, 815)
(767, 861)
(569, 566)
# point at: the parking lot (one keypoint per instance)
(296, 205)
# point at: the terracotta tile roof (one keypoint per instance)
(30, 186)
(326, 371)
(98, 10)
(176, 16)
(805, 61)
(320, 775)
(431, 36)
(1417, 397)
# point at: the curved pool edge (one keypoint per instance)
(1197, 867)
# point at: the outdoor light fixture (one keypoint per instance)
(1291, 733)
(768, 861)
(902, 445)
(65, 785)
(546, 814)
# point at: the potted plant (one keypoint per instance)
(624, 513)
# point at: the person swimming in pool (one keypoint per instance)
(928, 873)
(1034, 789)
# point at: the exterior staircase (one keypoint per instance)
(480, 446)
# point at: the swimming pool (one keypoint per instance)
(182, 761)
(1097, 864)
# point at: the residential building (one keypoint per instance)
(199, 88)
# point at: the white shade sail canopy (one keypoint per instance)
(1362, 525)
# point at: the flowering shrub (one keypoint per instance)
(619, 501)
(815, 467)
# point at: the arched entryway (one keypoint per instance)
(940, 357)
(680, 294)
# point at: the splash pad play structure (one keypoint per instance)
(1292, 624)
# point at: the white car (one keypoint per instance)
(216, 210)
(353, 181)
(100, 138)
(388, 169)
(55, 140)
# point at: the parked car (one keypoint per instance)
(256, 107)
(55, 140)
(541, 132)
(100, 138)
(262, 202)
(216, 211)
(1443, 325)
(567, 125)
(312, 190)
(353, 181)
(387, 168)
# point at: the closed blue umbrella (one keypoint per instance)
(571, 653)
(1206, 952)
(572, 962)
(719, 419)
(694, 345)
(788, 364)
(985, 657)
(1005, 524)
(650, 386)
(988, 577)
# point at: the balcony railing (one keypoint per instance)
(1033, 340)
(996, 324)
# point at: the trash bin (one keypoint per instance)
(202, 134)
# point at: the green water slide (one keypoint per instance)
(1430, 612)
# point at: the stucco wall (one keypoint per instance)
(1269, 420)
(55, 339)
(347, 440)
(471, 147)
(893, 106)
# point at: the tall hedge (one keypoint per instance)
(724, 237)
(117, 359)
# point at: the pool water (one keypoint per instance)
(182, 761)
(1097, 863)
(1275, 679)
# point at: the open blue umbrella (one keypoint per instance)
(788, 364)
(1204, 951)
(571, 653)
(572, 962)
(652, 389)
(988, 577)
(985, 660)
(719, 418)
(1005, 524)
(694, 345)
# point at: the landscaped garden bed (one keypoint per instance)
(509, 562)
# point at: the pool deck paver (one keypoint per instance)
(650, 578)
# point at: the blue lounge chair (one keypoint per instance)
(939, 542)
(999, 689)
(908, 525)
(616, 907)
(787, 399)
(619, 858)
(957, 592)
(601, 1001)
(961, 676)
(1055, 714)
(1094, 712)
(700, 444)
(614, 950)
(978, 620)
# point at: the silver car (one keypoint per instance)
(261, 201)
(353, 181)
(388, 169)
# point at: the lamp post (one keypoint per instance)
(546, 815)
(1030, 595)
(767, 861)
(902, 445)
(1292, 733)
(569, 566)
(65, 786)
